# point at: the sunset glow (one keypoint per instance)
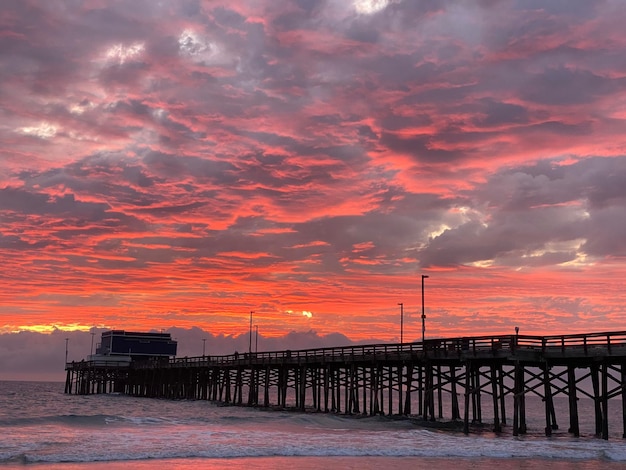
(180, 164)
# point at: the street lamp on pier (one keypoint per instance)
(250, 345)
(92, 335)
(256, 339)
(401, 322)
(423, 313)
(66, 341)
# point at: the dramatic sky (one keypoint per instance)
(177, 164)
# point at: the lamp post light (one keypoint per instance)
(256, 340)
(92, 335)
(401, 322)
(250, 345)
(423, 314)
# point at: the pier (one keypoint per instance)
(461, 375)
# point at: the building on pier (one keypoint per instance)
(137, 346)
(117, 354)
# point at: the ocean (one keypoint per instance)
(41, 427)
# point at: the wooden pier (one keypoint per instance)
(464, 375)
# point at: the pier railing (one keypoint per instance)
(82, 365)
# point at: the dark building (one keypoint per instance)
(136, 345)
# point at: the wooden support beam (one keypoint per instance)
(605, 401)
(494, 395)
(455, 398)
(409, 385)
(468, 388)
(595, 381)
(439, 392)
(573, 401)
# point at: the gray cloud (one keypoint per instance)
(271, 153)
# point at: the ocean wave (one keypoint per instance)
(57, 428)
(96, 420)
(74, 420)
(99, 420)
(199, 442)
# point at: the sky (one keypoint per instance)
(176, 165)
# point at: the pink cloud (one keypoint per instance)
(165, 165)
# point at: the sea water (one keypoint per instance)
(42, 426)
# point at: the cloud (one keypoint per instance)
(305, 313)
(540, 208)
(176, 164)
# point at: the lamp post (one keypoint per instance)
(256, 339)
(66, 341)
(423, 314)
(250, 346)
(401, 322)
(92, 335)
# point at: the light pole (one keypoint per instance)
(256, 339)
(66, 341)
(401, 322)
(250, 346)
(423, 314)
(203, 346)
(92, 335)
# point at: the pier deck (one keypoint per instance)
(403, 379)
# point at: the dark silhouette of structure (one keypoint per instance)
(414, 379)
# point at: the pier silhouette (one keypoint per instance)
(466, 374)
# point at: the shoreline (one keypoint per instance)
(324, 462)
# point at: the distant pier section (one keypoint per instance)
(464, 375)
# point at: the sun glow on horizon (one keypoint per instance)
(47, 328)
